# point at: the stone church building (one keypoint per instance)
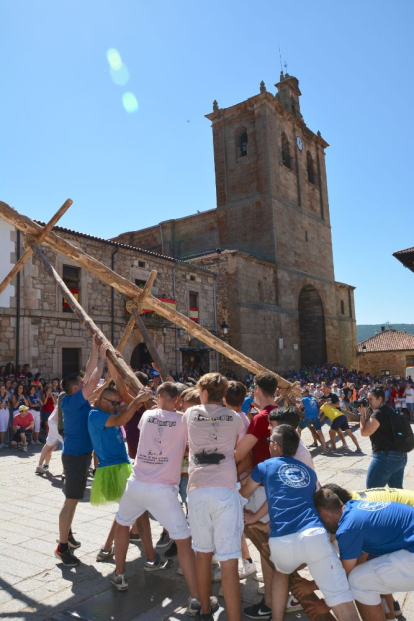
(38, 327)
(269, 238)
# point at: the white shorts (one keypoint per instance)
(256, 500)
(53, 437)
(160, 500)
(385, 574)
(36, 418)
(4, 419)
(216, 521)
(312, 546)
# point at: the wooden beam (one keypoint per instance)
(28, 252)
(150, 344)
(127, 333)
(146, 291)
(122, 368)
(92, 265)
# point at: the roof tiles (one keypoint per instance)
(389, 340)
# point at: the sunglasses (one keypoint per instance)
(114, 403)
(270, 441)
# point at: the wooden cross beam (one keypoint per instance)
(150, 344)
(135, 308)
(40, 237)
(127, 333)
(123, 369)
(95, 267)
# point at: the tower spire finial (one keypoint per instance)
(281, 64)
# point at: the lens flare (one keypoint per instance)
(120, 76)
(130, 103)
(114, 59)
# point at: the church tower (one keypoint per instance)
(271, 185)
(269, 236)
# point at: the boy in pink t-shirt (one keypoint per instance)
(214, 504)
(153, 487)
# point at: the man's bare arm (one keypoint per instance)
(117, 420)
(244, 447)
(248, 488)
(89, 388)
(92, 362)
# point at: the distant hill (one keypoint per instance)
(366, 331)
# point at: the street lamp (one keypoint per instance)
(164, 331)
(224, 328)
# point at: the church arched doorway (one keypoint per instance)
(140, 357)
(311, 327)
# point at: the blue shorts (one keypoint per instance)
(311, 421)
(340, 423)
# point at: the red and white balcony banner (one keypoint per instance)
(193, 314)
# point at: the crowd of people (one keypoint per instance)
(211, 458)
(26, 403)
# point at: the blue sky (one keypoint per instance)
(65, 132)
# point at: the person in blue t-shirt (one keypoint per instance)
(77, 446)
(383, 529)
(114, 468)
(297, 534)
(311, 420)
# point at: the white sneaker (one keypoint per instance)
(24, 448)
(40, 470)
(292, 604)
(38, 442)
(216, 573)
(246, 568)
(258, 577)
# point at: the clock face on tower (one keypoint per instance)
(299, 143)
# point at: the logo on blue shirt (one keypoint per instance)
(374, 506)
(294, 475)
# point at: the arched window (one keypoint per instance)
(310, 168)
(285, 151)
(293, 106)
(243, 144)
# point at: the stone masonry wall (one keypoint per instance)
(376, 363)
(45, 328)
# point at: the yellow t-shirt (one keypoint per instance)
(405, 496)
(330, 412)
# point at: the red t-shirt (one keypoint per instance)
(49, 406)
(22, 421)
(259, 428)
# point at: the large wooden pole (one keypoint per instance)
(150, 344)
(127, 333)
(123, 369)
(61, 246)
(28, 252)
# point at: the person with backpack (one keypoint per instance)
(391, 439)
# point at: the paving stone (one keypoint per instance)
(48, 588)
